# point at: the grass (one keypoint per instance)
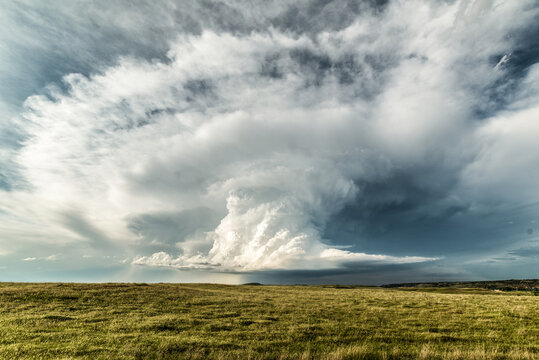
(505, 285)
(200, 321)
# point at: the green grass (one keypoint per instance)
(199, 321)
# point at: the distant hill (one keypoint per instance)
(504, 285)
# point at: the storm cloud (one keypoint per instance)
(329, 138)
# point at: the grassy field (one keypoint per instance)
(199, 321)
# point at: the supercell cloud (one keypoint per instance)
(349, 138)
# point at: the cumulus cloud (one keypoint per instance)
(239, 150)
(328, 259)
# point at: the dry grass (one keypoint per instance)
(200, 321)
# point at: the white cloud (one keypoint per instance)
(276, 156)
(162, 259)
(330, 258)
(343, 255)
(507, 166)
(53, 257)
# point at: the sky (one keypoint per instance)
(349, 141)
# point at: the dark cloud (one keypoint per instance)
(360, 274)
(530, 251)
(312, 17)
(166, 231)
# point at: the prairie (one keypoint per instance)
(207, 321)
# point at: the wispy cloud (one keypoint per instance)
(53, 257)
